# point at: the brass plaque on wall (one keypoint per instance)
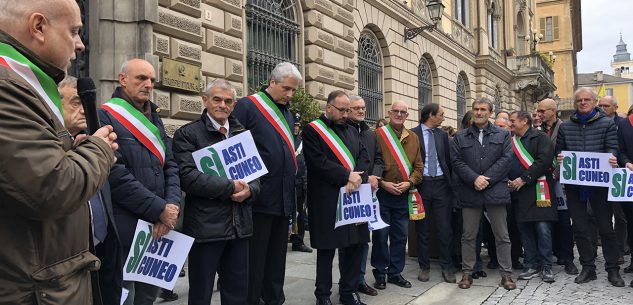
(181, 75)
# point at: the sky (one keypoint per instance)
(602, 22)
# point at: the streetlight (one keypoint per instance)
(535, 39)
(552, 57)
(436, 9)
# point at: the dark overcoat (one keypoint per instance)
(524, 200)
(326, 175)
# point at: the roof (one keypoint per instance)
(590, 79)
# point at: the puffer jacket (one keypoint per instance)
(210, 215)
(598, 134)
(471, 159)
(45, 184)
(140, 186)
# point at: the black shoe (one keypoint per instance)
(364, 288)
(380, 283)
(302, 248)
(517, 266)
(449, 276)
(168, 295)
(478, 274)
(323, 301)
(586, 275)
(400, 281)
(354, 301)
(547, 275)
(182, 273)
(493, 265)
(570, 268)
(614, 278)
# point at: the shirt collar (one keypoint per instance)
(217, 125)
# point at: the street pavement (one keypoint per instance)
(301, 274)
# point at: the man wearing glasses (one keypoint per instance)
(609, 105)
(562, 234)
(393, 195)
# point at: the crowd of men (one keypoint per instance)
(71, 200)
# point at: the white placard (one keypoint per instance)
(235, 158)
(124, 294)
(355, 207)
(621, 188)
(586, 168)
(156, 262)
(561, 198)
(376, 223)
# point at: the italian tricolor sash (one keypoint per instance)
(276, 119)
(416, 208)
(335, 144)
(542, 188)
(140, 126)
(631, 119)
(32, 74)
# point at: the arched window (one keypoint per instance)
(493, 31)
(461, 98)
(272, 38)
(370, 75)
(425, 83)
(497, 100)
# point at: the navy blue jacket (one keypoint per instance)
(277, 188)
(625, 141)
(140, 186)
(598, 134)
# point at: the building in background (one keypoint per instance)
(559, 24)
(622, 64)
(479, 48)
(619, 87)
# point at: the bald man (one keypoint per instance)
(46, 177)
(144, 181)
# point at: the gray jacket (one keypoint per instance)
(471, 159)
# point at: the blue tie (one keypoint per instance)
(432, 155)
(99, 220)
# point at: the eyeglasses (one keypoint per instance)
(584, 100)
(359, 108)
(398, 112)
(542, 110)
(344, 110)
(605, 106)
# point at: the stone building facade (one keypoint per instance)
(479, 48)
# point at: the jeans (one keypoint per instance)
(389, 258)
(537, 241)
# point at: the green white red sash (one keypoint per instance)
(138, 124)
(416, 208)
(542, 188)
(335, 143)
(43, 84)
(631, 119)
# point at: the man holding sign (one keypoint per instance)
(398, 197)
(217, 209)
(590, 130)
(335, 158)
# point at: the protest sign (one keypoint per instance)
(561, 198)
(355, 207)
(235, 158)
(621, 188)
(376, 222)
(156, 261)
(586, 168)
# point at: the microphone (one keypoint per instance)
(88, 95)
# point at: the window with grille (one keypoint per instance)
(425, 83)
(461, 99)
(370, 76)
(272, 38)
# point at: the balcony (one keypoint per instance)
(534, 79)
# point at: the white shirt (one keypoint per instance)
(217, 125)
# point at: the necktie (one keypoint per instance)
(432, 155)
(481, 136)
(223, 131)
(99, 220)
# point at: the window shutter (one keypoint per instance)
(555, 28)
(542, 27)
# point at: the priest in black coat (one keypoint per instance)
(326, 175)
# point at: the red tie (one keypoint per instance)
(223, 131)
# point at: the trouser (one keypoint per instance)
(456, 248)
(140, 293)
(389, 244)
(627, 210)
(349, 266)
(229, 259)
(111, 271)
(437, 205)
(302, 217)
(498, 222)
(516, 248)
(620, 227)
(267, 259)
(581, 226)
(563, 237)
(363, 261)
(537, 241)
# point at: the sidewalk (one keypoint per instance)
(301, 274)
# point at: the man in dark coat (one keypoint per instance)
(145, 183)
(436, 191)
(300, 216)
(217, 209)
(267, 116)
(625, 159)
(326, 175)
(590, 130)
(533, 155)
(356, 120)
(481, 157)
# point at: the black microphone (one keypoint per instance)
(88, 95)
